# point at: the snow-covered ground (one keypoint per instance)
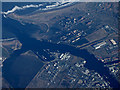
(55, 5)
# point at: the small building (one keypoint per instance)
(113, 42)
(97, 46)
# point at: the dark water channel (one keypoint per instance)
(38, 46)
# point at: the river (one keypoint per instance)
(38, 46)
